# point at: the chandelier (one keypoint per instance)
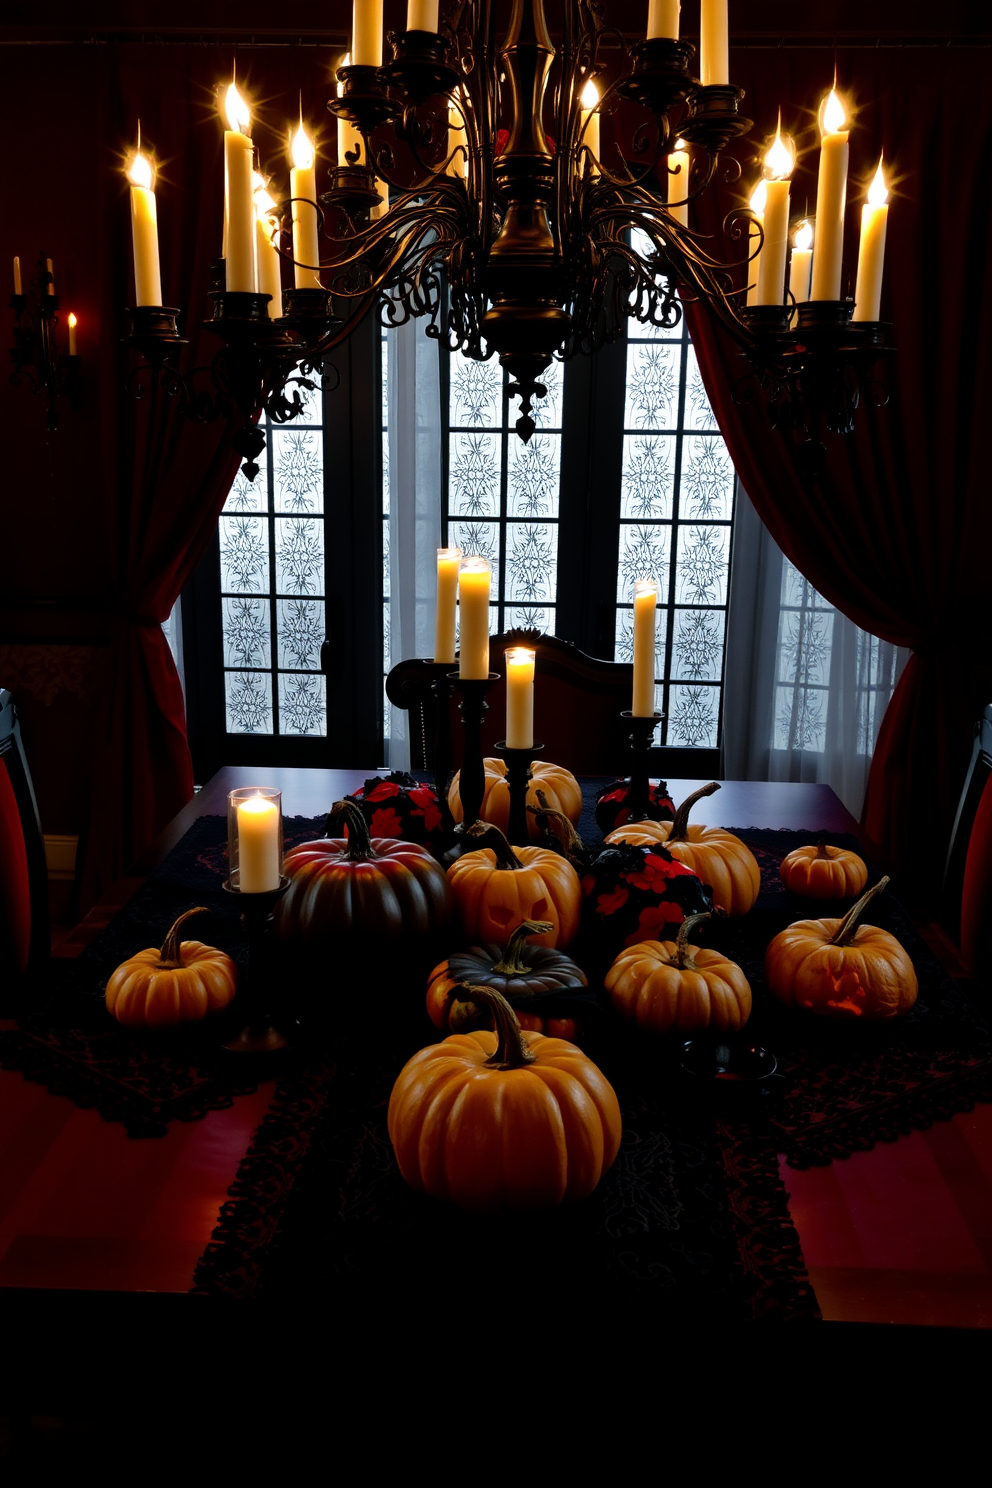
(471, 190)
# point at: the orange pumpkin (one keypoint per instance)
(841, 968)
(496, 886)
(561, 790)
(715, 855)
(671, 985)
(181, 983)
(504, 1120)
(823, 872)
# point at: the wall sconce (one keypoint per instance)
(36, 355)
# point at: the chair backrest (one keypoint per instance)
(24, 928)
(578, 700)
(978, 774)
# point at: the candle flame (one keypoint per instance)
(238, 112)
(264, 205)
(139, 172)
(73, 322)
(781, 158)
(804, 237)
(759, 196)
(589, 97)
(519, 655)
(645, 586)
(302, 150)
(680, 144)
(834, 117)
(878, 193)
(476, 565)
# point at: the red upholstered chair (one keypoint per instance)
(24, 929)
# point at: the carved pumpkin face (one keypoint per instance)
(495, 888)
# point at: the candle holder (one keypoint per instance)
(307, 311)
(258, 1034)
(363, 100)
(518, 777)
(660, 75)
(713, 117)
(419, 67)
(254, 861)
(472, 780)
(767, 320)
(35, 353)
(642, 729)
(442, 689)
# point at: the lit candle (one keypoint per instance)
(757, 205)
(349, 139)
(72, 335)
(663, 19)
(831, 198)
(645, 602)
(801, 265)
(421, 15)
(589, 123)
(366, 33)
(457, 140)
(519, 697)
(50, 286)
(473, 610)
(874, 215)
(303, 183)
(144, 233)
(779, 161)
(239, 208)
(714, 61)
(258, 845)
(17, 275)
(448, 561)
(678, 183)
(266, 253)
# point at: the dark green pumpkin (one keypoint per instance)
(517, 971)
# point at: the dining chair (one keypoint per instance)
(24, 926)
(578, 700)
(971, 827)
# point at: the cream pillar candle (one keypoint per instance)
(448, 561)
(266, 253)
(73, 343)
(801, 263)
(519, 697)
(421, 15)
(645, 610)
(366, 33)
(831, 199)
(239, 208)
(17, 275)
(349, 139)
(663, 19)
(871, 255)
(457, 141)
(775, 218)
(678, 183)
(757, 205)
(144, 233)
(474, 578)
(258, 845)
(589, 123)
(303, 184)
(714, 45)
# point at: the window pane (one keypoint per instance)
(476, 393)
(298, 465)
(532, 478)
(693, 716)
(653, 372)
(474, 465)
(707, 479)
(703, 560)
(299, 555)
(300, 629)
(531, 562)
(249, 702)
(531, 617)
(698, 413)
(247, 632)
(302, 703)
(624, 647)
(648, 476)
(244, 555)
(246, 495)
(644, 554)
(697, 645)
(480, 540)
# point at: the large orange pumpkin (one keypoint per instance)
(841, 968)
(496, 886)
(823, 872)
(504, 1120)
(561, 791)
(716, 856)
(181, 983)
(666, 985)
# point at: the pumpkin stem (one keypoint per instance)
(570, 839)
(823, 851)
(170, 957)
(848, 927)
(511, 963)
(681, 957)
(680, 825)
(512, 1051)
(348, 814)
(486, 835)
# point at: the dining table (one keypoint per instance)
(898, 1233)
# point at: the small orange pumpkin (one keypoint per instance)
(666, 985)
(841, 968)
(496, 886)
(504, 1120)
(823, 872)
(181, 983)
(561, 790)
(716, 856)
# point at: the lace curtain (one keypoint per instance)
(806, 689)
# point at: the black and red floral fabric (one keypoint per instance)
(397, 805)
(613, 804)
(637, 893)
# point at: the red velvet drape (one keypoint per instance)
(898, 528)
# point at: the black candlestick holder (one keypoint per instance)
(259, 1034)
(473, 708)
(518, 777)
(642, 727)
(442, 689)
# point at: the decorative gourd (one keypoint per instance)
(637, 892)
(397, 805)
(613, 803)
(666, 985)
(841, 968)
(378, 888)
(496, 886)
(504, 1120)
(561, 789)
(517, 971)
(181, 983)
(823, 872)
(718, 857)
